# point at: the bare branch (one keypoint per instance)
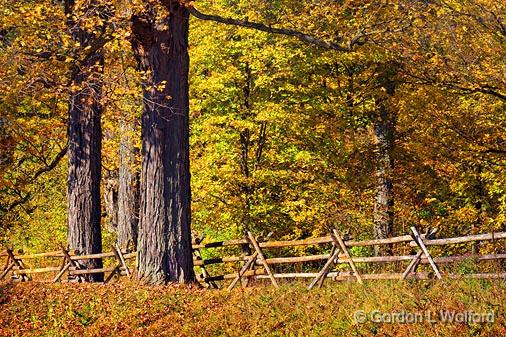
(264, 28)
(24, 199)
(52, 164)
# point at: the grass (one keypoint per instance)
(130, 309)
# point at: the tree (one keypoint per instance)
(384, 125)
(128, 187)
(85, 133)
(160, 44)
(121, 138)
(378, 25)
(32, 129)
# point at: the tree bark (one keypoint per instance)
(161, 49)
(384, 131)
(128, 191)
(110, 195)
(84, 150)
(6, 146)
(384, 123)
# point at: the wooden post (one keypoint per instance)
(246, 282)
(71, 263)
(7, 268)
(347, 254)
(251, 269)
(412, 265)
(117, 268)
(63, 268)
(61, 272)
(6, 262)
(418, 240)
(262, 259)
(323, 272)
(205, 273)
(17, 263)
(8, 265)
(244, 268)
(119, 255)
(418, 257)
(115, 271)
(198, 257)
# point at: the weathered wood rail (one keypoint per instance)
(70, 264)
(257, 265)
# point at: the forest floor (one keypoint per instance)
(129, 309)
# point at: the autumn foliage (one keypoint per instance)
(396, 117)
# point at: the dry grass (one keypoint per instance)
(129, 309)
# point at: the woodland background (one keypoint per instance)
(286, 136)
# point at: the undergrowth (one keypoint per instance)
(130, 309)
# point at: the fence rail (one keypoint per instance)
(257, 266)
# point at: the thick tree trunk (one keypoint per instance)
(128, 192)
(84, 151)
(84, 134)
(161, 48)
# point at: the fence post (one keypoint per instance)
(341, 243)
(64, 267)
(323, 272)
(419, 241)
(332, 251)
(417, 258)
(117, 268)
(244, 268)
(119, 255)
(73, 264)
(262, 259)
(198, 256)
(412, 265)
(19, 264)
(8, 265)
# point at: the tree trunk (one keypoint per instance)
(128, 192)
(110, 195)
(6, 146)
(384, 123)
(84, 151)
(384, 131)
(161, 49)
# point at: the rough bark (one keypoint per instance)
(244, 144)
(384, 123)
(384, 131)
(84, 149)
(110, 182)
(128, 191)
(161, 49)
(6, 146)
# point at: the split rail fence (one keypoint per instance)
(255, 265)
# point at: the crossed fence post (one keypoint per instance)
(67, 264)
(15, 264)
(8, 265)
(120, 266)
(338, 246)
(257, 255)
(419, 241)
(198, 256)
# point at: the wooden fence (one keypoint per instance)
(256, 266)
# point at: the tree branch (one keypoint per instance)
(23, 199)
(264, 28)
(52, 164)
